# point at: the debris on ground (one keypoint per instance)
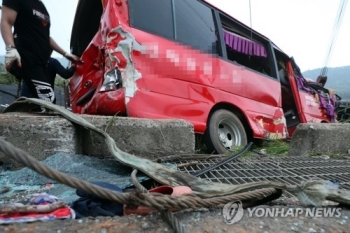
(95, 185)
(194, 222)
(24, 182)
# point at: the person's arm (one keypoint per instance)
(58, 49)
(8, 18)
(61, 71)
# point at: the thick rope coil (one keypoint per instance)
(153, 200)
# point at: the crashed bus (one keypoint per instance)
(187, 59)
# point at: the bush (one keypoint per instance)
(8, 79)
(60, 82)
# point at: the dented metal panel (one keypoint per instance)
(164, 79)
(126, 44)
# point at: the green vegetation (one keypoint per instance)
(343, 115)
(276, 147)
(271, 148)
(60, 82)
(6, 77)
(111, 121)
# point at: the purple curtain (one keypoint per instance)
(301, 85)
(243, 45)
(327, 102)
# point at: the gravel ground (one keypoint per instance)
(204, 221)
(193, 221)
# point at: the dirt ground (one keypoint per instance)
(204, 221)
(193, 221)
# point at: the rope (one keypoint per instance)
(154, 200)
(167, 215)
(160, 173)
(136, 183)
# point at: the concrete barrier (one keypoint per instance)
(142, 137)
(320, 139)
(42, 136)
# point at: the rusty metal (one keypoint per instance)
(291, 170)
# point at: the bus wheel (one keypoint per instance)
(225, 132)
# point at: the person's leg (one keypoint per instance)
(44, 90)
(36, 78)
(25, 91)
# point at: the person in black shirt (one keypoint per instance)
(54, 68)
(29, 46)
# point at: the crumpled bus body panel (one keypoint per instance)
(165, 79)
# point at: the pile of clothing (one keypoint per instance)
(44, 207)
(40, 207)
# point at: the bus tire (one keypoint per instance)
(225, 132)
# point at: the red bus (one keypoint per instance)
(187, 59)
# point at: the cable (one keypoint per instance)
(334, 35)
(251, 22)
(222, 162)
(332, 40)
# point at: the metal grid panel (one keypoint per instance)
(290, 170)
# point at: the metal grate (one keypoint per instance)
(290, 170)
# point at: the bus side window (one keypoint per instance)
(244, 49)
(155, 17)
(195, 25)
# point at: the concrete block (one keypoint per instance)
(40, 136)
(320, 138)
(142, 137)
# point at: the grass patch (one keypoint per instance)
(60, 82)
(275, 148)
(248, 154)
(238, 149)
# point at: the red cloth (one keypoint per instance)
(61, 213)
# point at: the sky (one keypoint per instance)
(301, 28)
